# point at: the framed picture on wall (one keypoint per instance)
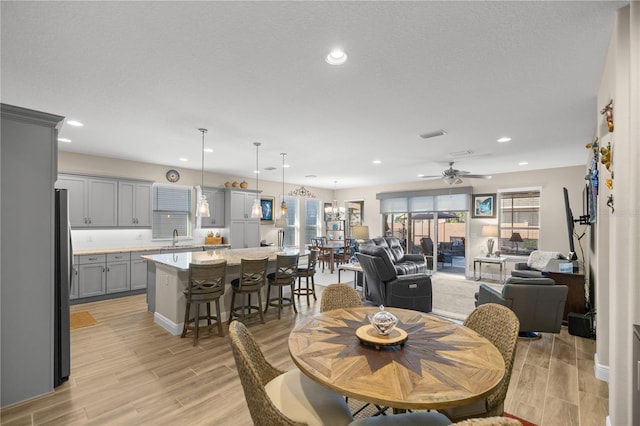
(266, 203)
(484, 205)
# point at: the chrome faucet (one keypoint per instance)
(175, 236)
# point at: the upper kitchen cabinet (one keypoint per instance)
(92, 201)
(244, 231)
(239, 204)
(215, 198)
(134, 204)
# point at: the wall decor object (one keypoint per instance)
(266, 203)
(173, 176)
(484, 206)
(607, 111)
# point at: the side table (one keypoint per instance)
(481, 259)
(357, 270)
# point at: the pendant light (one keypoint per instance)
(283, 205)
(334, 207)
(256, 210)
(204, 204)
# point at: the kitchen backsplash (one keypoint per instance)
(91, 239)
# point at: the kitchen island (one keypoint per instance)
(169, 276)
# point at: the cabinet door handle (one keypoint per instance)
(93, 258)
(118, 257)
(103, 269)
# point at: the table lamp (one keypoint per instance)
(516, 238)
(280, 224)
(360, 233)
(490, 231)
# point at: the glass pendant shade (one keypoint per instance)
(256, 209)
(203, 210)
(204, 206)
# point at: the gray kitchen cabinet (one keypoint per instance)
(92, 201)
(118, 272)
(244, 231)
(134, 204)
(215, 198)
(92, 275)
(139, 269)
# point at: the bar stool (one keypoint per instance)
(308, 272)
(206, 285)
(253, 273)
(285, 275)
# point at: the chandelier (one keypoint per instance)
(302, 192)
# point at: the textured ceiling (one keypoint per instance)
(144, 76)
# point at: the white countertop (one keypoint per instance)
(148, 248)
(233, 257)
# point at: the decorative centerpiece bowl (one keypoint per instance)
(383, 321)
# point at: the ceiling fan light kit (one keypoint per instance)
(454, 176)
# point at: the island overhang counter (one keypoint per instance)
(169, 276)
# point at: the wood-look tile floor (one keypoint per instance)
(126, 370)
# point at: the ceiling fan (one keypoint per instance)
(452, 175)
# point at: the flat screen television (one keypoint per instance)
(570, 223)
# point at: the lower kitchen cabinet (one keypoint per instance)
(118, 273)
(92, 275)
(139, 269)
(73, 292)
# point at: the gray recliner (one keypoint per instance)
(386, 287)
(404, 263)
(537, 302)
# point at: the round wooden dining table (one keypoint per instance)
(441, 364)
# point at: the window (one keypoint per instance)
(292, 227)
(519, 222)
(312, 220)
(171, 210)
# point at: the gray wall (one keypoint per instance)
(28, 166)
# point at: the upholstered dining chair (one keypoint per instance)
(276, 397)
(253, 275)
(500, 326)
(206, 285)
(338, 296)
(323, 253)
(285, 275)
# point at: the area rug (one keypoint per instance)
(81, 319)
(524, 422)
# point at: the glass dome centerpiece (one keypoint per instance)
(383, 321)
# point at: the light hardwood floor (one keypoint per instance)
(126, 370)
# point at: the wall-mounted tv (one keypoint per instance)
(570, 225)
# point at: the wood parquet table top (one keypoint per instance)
(442, 364)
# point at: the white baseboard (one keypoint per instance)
(601, 371)
(167, 324)
(607, 421)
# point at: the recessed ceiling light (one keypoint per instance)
(421, 175)
(311, 176)
(256, 171)
(523, 163)
(64, 140)
(208, 150)
(75, 123)
(184, 159)
(377, 162)
(286, 166)
(505, 139)
(336, 57)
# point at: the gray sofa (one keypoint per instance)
(404, 263)
(386, 287)
(537, 302)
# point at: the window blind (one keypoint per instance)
(171, 211)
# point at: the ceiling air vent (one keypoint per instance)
(458, 154)
(433, 134)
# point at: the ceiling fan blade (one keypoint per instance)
(478, 176)
(431, 177)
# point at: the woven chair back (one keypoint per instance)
(339, 296)
(500, 326)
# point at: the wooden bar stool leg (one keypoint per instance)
(233, 300)
(259, 307)
(268, 301)
(196, 325)
(220, 331)
(292, 301)
(186, 320)
(313, 288)
(279, 300)
(208, 313)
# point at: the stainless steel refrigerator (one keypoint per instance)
(62, 283)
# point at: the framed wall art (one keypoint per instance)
(266, 203)
(484, 205)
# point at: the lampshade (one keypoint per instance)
(489, 231)
(515, 238)
(256, 209)
(360, 232)
(203, 210)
